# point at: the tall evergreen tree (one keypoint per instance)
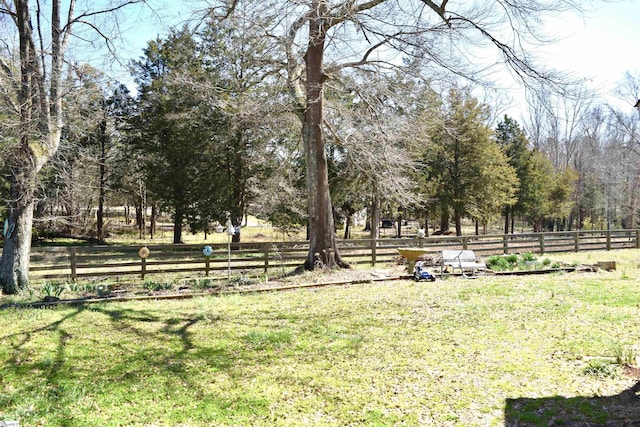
(470, 173)
(177, 132)
(515, 144)
(548, 192)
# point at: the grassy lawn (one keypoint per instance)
(523, 350)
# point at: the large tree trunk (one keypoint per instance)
(347, 228)
(367, 222)
(37, 109)
(102, 180)
(322, 237)
(178, 219)
(14, 266)
(374, 218)
(506, 220)
(238, 183)
(444, 221)
(457, 218)
(154, 214)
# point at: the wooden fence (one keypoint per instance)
(262, 258)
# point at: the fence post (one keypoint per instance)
(374, 244)
(608, 240)
(637, 238)
(266, 257)
(143, 270)
(505, 244)
(576, 241)
(541, 243)
(465, 243)
(73, 262)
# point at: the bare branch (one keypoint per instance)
(440, 10)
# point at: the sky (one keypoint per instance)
(600, 46)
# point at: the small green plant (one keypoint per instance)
(524, 261)
(511, 259)
(555, 265)
(52, 290)
(27, 293)
(157, 286)
(625, 355)
(601, 368)
(498, 263)
(241, 281)
(206, 283)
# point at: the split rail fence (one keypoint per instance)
(282, 257)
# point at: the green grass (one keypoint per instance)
(520, 350)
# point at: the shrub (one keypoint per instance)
(498, 263)
(511, 259)
(524, 261)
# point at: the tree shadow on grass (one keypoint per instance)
(620, 410)
(55, 373)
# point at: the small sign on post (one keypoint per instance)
(207, 251)
(143, 253)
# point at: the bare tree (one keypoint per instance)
(321, 37)
(626, 120)
(43, 33)
(555, 123)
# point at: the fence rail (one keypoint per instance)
(258, 258)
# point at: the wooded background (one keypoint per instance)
(301, 115)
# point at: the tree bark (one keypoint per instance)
(374, 219)
(103, 180)
(444, 221)
(14, 266)
(506, 220)
(178, 219)
(457, 218)
(238, 183)
(322, 237)
(347, 228)
(152, 227)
